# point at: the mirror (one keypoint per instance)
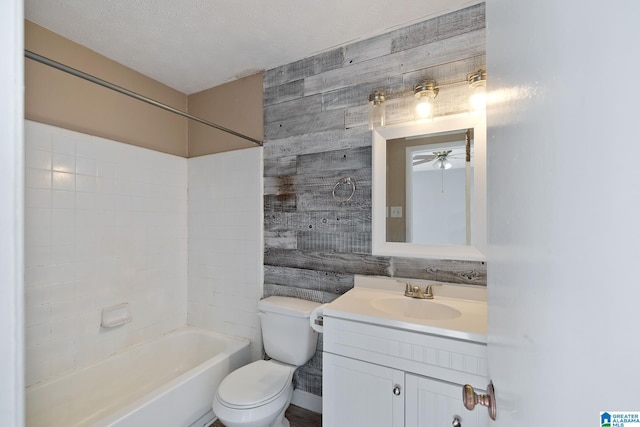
(429, 189)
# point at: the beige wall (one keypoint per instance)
(237, 106)
(60, 99)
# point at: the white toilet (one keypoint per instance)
(258, 394)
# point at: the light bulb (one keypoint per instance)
(425, 94)
(424, 109)
(442, 163)
(478, 100)
(478, 85)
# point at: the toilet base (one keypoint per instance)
(243, 418)
(280, 420)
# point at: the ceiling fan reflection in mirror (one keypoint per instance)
(438, 159)
(456, 157)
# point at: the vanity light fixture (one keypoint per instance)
(478, 85)
(425, 93)
(377, 114)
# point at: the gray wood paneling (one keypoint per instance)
(347, 159)
(278, 166)
(304, 68)
(305, 106)
(281, 239)
(345, 263)
(315, 180)
(283, 92)
(359, 94)
(317, 142)
(288, 291)
(316, 118)
(280, 202)
(334, 242)
(325, 281)
(468, 272)
(462, 46)
(440, 28)
(334, 221)
(300, 125)
(422, 33)
(365, 50)
(323, 199)
(308, 379)
(444, 74)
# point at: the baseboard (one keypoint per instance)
(205, 421)
(308, 401)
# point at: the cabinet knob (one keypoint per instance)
(471, 399)
(396, 390)
(456, 422)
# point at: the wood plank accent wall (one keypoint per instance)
(316, 117)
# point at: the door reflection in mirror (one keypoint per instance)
(430, 188)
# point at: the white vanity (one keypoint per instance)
(390, 360)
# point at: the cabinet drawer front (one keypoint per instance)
(360, 394)
(429, 355)
(434, 403)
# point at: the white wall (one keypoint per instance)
(106, 223)
(225, 243)
(11, 214)
(441, 217)
(564, 204)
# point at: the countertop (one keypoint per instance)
(470, 325)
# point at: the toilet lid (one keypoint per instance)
(255, 384)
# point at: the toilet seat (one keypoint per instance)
(256, 384)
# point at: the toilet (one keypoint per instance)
(258, 394)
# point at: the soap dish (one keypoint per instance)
(115, 315)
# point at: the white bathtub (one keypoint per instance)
(170, 382)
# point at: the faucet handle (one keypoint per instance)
(429, 290)
(408, 290)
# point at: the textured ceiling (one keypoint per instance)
(192, 45)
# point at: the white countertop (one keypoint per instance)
(470, 325)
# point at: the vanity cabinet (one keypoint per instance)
(430, 402)
(382, 376)
(358, 393)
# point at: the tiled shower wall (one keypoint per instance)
(106, 223)
(225, 243)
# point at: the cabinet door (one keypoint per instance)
(433, 403)
(361, 394)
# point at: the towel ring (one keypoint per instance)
(344, 181)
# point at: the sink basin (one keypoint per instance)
(415, 308)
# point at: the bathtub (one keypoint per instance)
(170, 381)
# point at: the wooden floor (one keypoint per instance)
(297, 416)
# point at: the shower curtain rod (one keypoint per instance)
(50, 62)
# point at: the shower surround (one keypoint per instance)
(108, 222)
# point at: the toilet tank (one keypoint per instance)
(286, 333)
